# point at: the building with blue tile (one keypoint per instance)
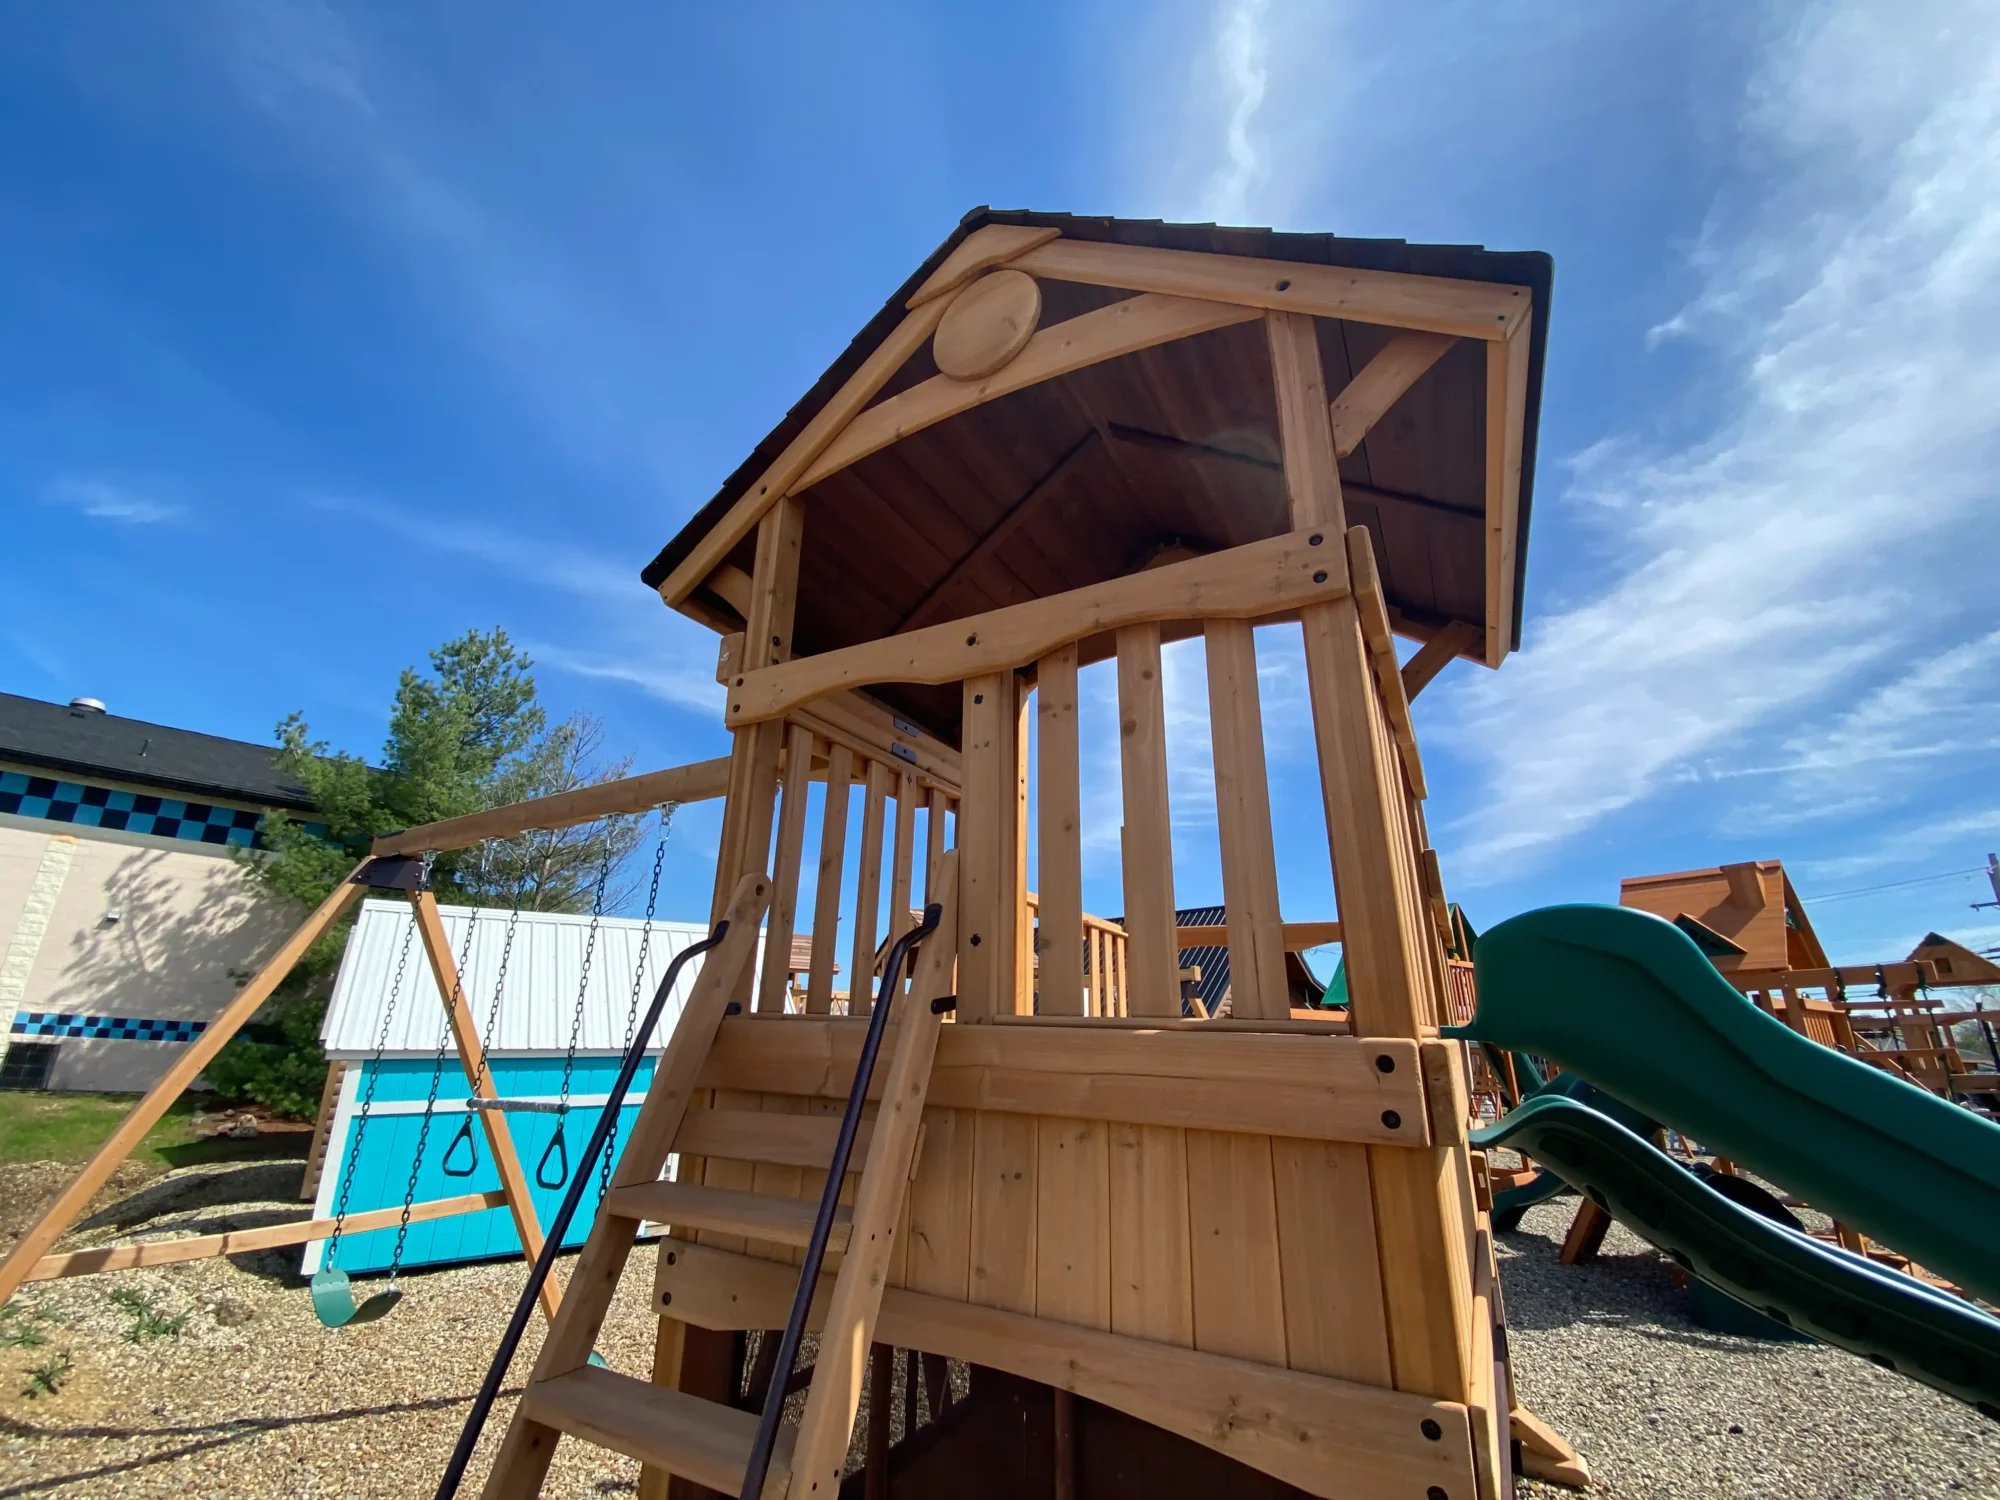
(126, 917)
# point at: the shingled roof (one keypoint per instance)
(1532, 269)
(57, 738)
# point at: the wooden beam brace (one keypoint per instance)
(1297, 936)
(631, 794)
(1437, 304)
(1436, 654)
(1329, 1437)
(1059, 349)
(243, 1241)
(1369, 596)
(1243, 583)
(1366, 399)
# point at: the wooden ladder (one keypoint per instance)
(701, 1440)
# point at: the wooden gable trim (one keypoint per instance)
(1105, 333)
(979, 251)
(1435, 304)
(1506, 433)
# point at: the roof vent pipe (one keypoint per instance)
(86, 705)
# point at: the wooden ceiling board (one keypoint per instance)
(1705, 896)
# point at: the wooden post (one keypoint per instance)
(1257, 980)
(1059, 813)
(785, 872)
(826, 895)
(902, 864)
(939, 802)
(1024, 925)
(1427, 1277)
(753, 758)
(472, 1058)
(1148, 841)
(187, 1067)
(988, 949)
(868, 892)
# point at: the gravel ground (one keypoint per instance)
(253, 1397)
(1659, 1407)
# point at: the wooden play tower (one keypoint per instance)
(1254, 1251)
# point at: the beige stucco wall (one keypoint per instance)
(191, 926)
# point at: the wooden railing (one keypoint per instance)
(1030, 655)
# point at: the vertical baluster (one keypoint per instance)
(826, 897)
(1024, 922)
(939, 802)
(1148, 843)
(1059, 824)
(902, 867)
(987, 952)
(868, 891)
(799, 746)
(1243, 822)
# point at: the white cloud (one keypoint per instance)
(680, 681)
(1839, 519)
(111, 500)
(1238, 58)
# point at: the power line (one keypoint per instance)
(1894, 885)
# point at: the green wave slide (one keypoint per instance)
(1627, 1001)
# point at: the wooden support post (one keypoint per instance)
(187, 1067)
(785, 871)
(826, 894)
(938, 808)
(1060, 817)
(902, 866)
(868, 891)
(472, 1058)
(1258, 987)
(753, 759)
(1148, 847)
(988, 945)
(1427, 1278)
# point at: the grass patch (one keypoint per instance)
(47, 1378)
(148, 1322)
(67, 1127)
(70, 1127)
(20, 1328)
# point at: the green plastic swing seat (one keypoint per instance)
(334, 1304)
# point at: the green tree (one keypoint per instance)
(465, 737)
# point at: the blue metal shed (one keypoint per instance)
(529, 1024)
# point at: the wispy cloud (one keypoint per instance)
(1238, 58)
(1839, 520)
(682, 682)
(533, 559)
(111, 500)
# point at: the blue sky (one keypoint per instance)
(334, 330)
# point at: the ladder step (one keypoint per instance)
(786, 1140)
(757, 1216)
(685, 1435)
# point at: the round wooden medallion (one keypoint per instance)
(987, 324)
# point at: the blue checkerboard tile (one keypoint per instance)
(100, 807)
(113, 1028)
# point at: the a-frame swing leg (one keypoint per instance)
(523, 1459)
(148, 1111)
(472, 1057)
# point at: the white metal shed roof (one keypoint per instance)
(539, 1004)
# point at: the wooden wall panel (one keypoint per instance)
(1152, 1289)
(1006, 1156)
(1233, 1233)
(1073, 1221)
(941, 1206)
(1334, 1322)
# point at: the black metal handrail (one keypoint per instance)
(607, 1121)
(829, 1202)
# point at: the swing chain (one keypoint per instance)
(558, 1146)
(374, 1077)
(667, 811)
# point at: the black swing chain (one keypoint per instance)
(558, 1146)
(374, 1077)
(486, 1037)
(430, 1102)
(639, 974)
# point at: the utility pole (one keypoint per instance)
(1993, 879)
